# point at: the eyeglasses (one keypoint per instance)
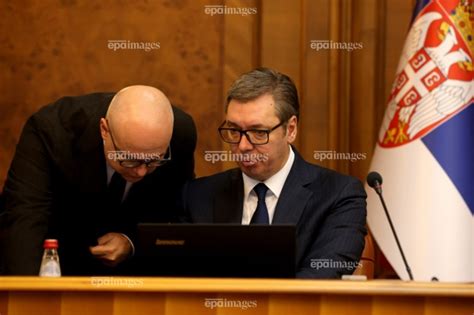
(254, 136)
(137, 159)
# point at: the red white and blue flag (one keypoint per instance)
(425, 148)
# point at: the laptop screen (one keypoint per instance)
(216, 250)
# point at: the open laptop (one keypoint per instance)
(217, 250)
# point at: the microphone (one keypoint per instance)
(374, 180)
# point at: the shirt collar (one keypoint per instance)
(274, 183)
(110, 173)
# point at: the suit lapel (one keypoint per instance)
(228, 203)
(88, 155)
(294, 195)
(92, 175)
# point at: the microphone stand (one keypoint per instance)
(379, 193)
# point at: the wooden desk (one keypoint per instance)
(153, 296)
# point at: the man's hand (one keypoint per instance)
(112, 249)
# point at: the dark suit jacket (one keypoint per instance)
(56, 187)
(328, 209)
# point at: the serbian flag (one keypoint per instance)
(425, 148)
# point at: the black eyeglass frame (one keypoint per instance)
(138, 162)
(221, 129)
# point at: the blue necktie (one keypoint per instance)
(261, 213)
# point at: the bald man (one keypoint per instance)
(86, 170)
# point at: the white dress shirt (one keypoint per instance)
(275, 186)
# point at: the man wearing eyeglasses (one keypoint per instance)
(274, 185)
(86, 170)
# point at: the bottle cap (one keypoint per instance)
(50, 243)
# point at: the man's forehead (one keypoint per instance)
(142, 145)
(245, 125)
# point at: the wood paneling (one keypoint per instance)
(41, 303)
(281, 42)
(241, 53)
(49, 49)
(365, 75)
(71, 296)
(314, 118)
(129, 303)
(53, 48)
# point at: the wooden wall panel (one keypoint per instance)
(346, 305)
(129, 303)
(389, 305)
(366, 74)
(297, 304)
(90, 304)
(338, 82)
(240, 54)
(314, 112)
(42, 303)
(53, 48)
(241, 43)
(281, 42)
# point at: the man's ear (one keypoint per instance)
(104, 128)
(292, 129)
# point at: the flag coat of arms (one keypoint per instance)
(425, 148)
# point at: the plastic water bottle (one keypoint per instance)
(50, 263)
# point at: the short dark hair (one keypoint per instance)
(260, 81)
